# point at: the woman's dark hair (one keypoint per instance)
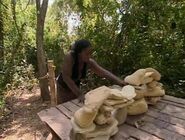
(77, 48)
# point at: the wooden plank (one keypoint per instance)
(120, 135)
(137, 133)
(51, 72)
(166, 118)
(57, 122)
(161, 132)
(174, 99)
(174, 111)
(71, 106)
(154, 109)
(65, 111)
(76, 102)
(165, 125)
(177, 129)
(172, 103)
(158, 128)
(159, 105)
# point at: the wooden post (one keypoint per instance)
(51, 72)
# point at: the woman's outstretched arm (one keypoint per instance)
(100, 71)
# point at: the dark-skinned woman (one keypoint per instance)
(76, 63)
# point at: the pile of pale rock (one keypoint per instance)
(107, 107)
(103, 110)
(148, 89)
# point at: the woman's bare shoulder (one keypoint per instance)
(68, 57)
(67, 63)
(92, 63)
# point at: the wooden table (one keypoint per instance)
(166, 120)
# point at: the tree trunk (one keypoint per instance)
(1, 32)
(43, 82)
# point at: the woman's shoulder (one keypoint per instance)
(91, 62)
(68, 57)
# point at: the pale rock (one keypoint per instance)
(84, 117)
(115, 94)
(111, 102)
(116, 87)
(140, 91)
(105, 137)
(138, 107)
(106, 129)
(128, 92)
(78, 129)
(136, 78)
(152, 84)
(103, 118)
(152, 100)
(123, 104)
(155, 92)
(77, 136)
(105, 108)
(120, 115)
(96, 97)
(147, 78)
(141, 87)
(139, 95)
(156, 75)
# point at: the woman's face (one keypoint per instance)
(85, 55)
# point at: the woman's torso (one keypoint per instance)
(78, 72)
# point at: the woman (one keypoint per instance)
(75, 65)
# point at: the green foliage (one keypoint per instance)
(17, 37)
(24, 76)
(57, 40)
(126, 35)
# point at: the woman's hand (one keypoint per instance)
(122, 83)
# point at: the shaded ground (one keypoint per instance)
(20, 120)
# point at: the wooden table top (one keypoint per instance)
(166, 120)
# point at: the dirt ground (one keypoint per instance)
(20, 120)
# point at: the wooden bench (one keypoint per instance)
(166, 120)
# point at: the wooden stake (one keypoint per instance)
(51, 72)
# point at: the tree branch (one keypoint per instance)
(38, 5)
(26, 6)
(3, 4)
(13, 5)
(44, 8)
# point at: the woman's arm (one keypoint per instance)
(66, 74)
(104, 73)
